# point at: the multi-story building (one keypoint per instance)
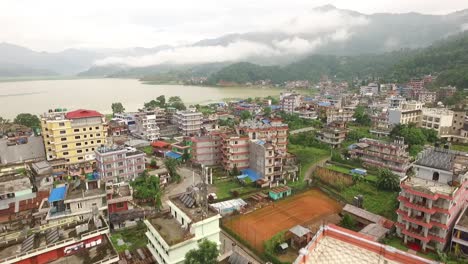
(146, 126)
(119, 199)
(416, 84)
(272, 131)
(426, 96)
(290, 101)
(175, 232)
(117, 127)
(62, 242)
(438, 119)
(459, 244)
(396, 101)
(445, 92)
(380, 126)
(73, 136)
(339, 115)
(377, 153)
(235, 151)
(206, 150)
(333, 134)
(459, 130)
(370, 89)
(410, 112)
(431, 201)
(189, 122)
(119, 164)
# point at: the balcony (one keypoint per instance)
(415, 206)
(418, 234)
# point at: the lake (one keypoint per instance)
(37, 96)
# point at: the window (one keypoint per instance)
(79, 205)
(65, 153)
(64, 146)
(63, 139)
(92, 142)
(77, 137)
(85, 136)
(108, 166)
(80, 158)
(91, 135)
(119, 156)
(78, 144)
(63, 132)
(87, 150)
(61, 124)
(119, 205)
(84, 129)
(98, 135)
(435, 176)
(99, 141)
(121, 164)
(97, 128)
(121, 171)
(90, 128)
(79, 151)
(109, 174)
(76, 130)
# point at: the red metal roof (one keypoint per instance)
(82, 113)
(159, 144)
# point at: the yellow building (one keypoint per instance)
(73, 136)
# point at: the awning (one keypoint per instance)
(249, 173)
(57, 194)
(173, 155)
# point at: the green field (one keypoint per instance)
(224, 188)
(134, 238)
(369, 177)
(307, 157)
(460, 147)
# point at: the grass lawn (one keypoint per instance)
(379, 202)
(224, 188)
(135, 236)
(307, 157)
(148, 150)
(370, 177)
(460, 147)
(398, 244)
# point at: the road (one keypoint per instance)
(228, 243)
(301, 130)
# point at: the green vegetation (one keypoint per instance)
(348, 222)
(362, 118)
(244, 115)
(368, 177)
(159, 102)
(459, 147)
(148, 150)
(415, 137)
(4, 123)
(307, 157)
(388, 180)
(226, 189)
(134, 238)
(207, 253)
(176, 102)
(272, 244)
(147, 187)
(117, 108)
(295, 122)
(171, 166)
(28, 120)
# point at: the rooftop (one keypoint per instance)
(14, 183)
(444, 159)
(189, 205)
(430, 187)
(261, 125)
(82, 113)
(170, 230)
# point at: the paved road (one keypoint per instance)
(301, 130)
(228, 243)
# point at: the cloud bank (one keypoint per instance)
(300, 35)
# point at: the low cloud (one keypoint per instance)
(303, 35)
(464, 27)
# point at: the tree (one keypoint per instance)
(244, 115)
(171, 166)
(274, 101)
(117, 108)
(147, 187)
(207, 253)
(235, 171)
(361, 116)
(28, 120)
(348, 222)
(153, 163)
(387, 180)
(4, 123)
(267, 111)
(177, 103)
(162, 100)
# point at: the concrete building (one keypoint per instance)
(445, 92)
(339, 115)
(333, 134)
(431, 201)
(63, 242)
(235, 151)
(73, 136)
(189, 122)
(426, 96)
(272, 131)
(459, 130)
(459, 244)
(206, 150)
(410, 112)
(117, 127)
(31, 151)
(371, 89)
(438, 119)
(173, 233)
(119, 164)
(377, 153)
(146, 126)
(396, 101)
(336, 245)
(380, 125)
(290, 101)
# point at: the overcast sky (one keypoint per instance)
(54, 25)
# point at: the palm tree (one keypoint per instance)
(388, 180)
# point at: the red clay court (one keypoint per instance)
(303, 209)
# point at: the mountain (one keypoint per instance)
(448, 58)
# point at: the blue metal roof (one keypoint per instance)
(57, 194)
(250, 173)
(324, 103)
(173, 155)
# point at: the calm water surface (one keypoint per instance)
(39, 96)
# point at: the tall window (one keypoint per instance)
(435, 176)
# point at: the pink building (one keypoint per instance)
(118, 164)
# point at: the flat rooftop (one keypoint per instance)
(428, 186)
(37, 240)
(195, 213)
(14, 183)
(170, 230)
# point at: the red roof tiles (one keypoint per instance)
(82, 113)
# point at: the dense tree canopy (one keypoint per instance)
(28, 120)
(244, 115)
(117, 108)
(362, 117)
(176, 102)
(387, 180)
(147, 187)
(207, 253)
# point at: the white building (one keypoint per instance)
(396, 101)
(409, 112)
(438, 119)
(146, 126)
(189, 122)
(371, 89)
(290, 101)
(171, 235)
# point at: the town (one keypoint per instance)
(372, 173)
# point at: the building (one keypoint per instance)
(235, 151)
(117, 127)
(173, 233)
(333, 134)
(377, 153)
(339, 115)
(459, 244)
(63, 242)
(459, 131)
(431, 201)
(445, 92)
(410, 112)
(290, 101)
(119, 164)
(371, 89)
(416, 84)
(146, 126)
(426, 96)
(31, 151)
(335, 245)
(438, 119)
(396, 101)
(206, 150)
(271, 131)
(189, 122)
(119, 199)
(129, 119)
(73, 136)
(380, 125)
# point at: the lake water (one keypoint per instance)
(98, 94)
